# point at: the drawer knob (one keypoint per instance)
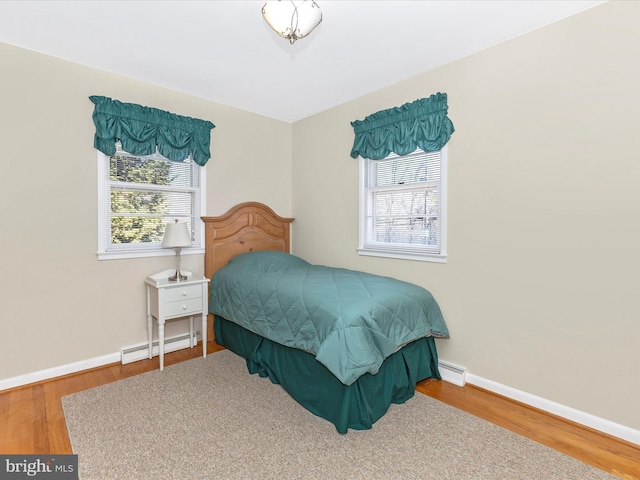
(184, 307)
(184, 294)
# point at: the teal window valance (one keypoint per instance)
(421, 124)
(141, 130)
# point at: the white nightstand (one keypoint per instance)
(168, 300)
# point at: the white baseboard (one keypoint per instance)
(577, 416)
(59, 371)
(171, 344)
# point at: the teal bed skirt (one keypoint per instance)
(357, 406)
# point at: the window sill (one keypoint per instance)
(164, 252)
(422, 257)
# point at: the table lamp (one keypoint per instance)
(176, 236)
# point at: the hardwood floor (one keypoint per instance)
(602, 451)
(32, 421)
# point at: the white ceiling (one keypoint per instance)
(225, 52)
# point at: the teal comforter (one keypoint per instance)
(351, 321)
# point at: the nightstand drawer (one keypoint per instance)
(186, 292)
(183, 307)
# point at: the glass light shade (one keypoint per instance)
(176, 235)
(290, 19)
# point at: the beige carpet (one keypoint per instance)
(209, 419)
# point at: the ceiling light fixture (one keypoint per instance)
(292, 20)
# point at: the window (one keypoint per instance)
(403, 206)
(139, 195)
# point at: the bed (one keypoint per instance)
(344, 344)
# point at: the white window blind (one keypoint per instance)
(140, 195)
(402, 205)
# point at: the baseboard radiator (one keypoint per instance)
(141, 351)
(452, 373)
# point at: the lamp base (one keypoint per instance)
(177, 277)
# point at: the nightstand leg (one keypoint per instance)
(204, 333)
(161, 343)
(150, 334)
(192, 342)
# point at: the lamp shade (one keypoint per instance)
(292, 19)
(176, 235)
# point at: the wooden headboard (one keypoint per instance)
(244, 228)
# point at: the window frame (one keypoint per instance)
(402, 251)
(154, 249)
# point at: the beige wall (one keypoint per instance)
(540, 288)
(61, 305)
